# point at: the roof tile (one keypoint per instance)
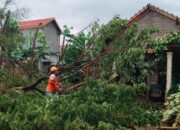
(34, 23)
(154, 8)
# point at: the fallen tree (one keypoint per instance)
(107, 45)
(35, 84)
(104, 45)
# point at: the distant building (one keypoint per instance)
(52, 31)
(154, 16)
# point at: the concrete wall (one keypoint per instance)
(53, 40)
(164, 24)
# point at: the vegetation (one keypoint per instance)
(114, 43)
(19, 55)
(172, 105)
(113, 93)
(161, 44)
(98, 106)
(171, 115)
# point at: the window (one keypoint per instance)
(45, 66)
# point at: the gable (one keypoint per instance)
(153, 16)
(149, 8)
(155, 19)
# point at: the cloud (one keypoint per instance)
(79, 13)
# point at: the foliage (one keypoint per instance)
(24, 51)
(74, 49)
(129, 46)
(76, 45)
(13, 53)
(171, 115)
(98, 106)
(10, 79)
(10, 38)
(170, 38)
(160, 46)
(162, 43)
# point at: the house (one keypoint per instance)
(166, 23)
(52, 31)
(151, 15)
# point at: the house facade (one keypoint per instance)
(151, 15)
(52, 31)
(166, 23)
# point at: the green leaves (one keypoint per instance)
(172, 109)
(168, 39)
(105, 126)
(130, 60)
(17, 54)
(76, 46)
(12, 26)
(97, 106)
(24, 51)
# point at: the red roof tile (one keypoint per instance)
(37, 23)
(149, 8)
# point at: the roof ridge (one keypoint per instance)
(38, 19)
(154, 8)
(171, 14)
(37, 23)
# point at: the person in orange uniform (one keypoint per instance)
(53, 84)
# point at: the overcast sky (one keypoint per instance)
(80, 13)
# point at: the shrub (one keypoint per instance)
(97, 106)
(171, 114)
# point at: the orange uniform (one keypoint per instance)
(53, 84)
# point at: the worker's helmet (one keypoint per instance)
(54, 68)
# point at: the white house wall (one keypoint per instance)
(53, 39)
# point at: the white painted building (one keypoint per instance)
(52, 31)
